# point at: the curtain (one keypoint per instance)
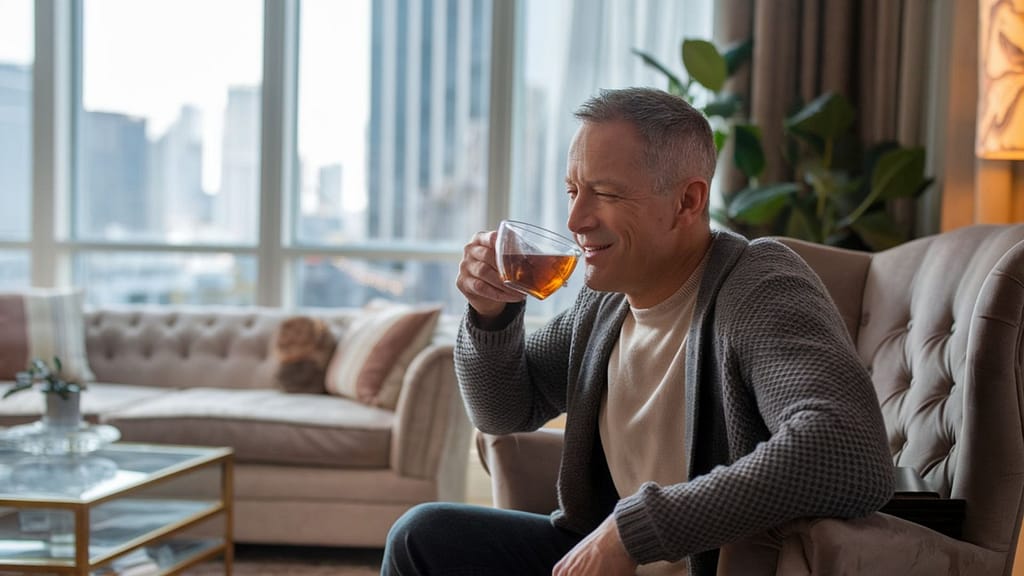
(874, 52)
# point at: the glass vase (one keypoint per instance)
(62, 414)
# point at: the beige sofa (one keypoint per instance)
(311, 469)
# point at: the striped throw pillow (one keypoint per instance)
(43, 324)
(372, 356)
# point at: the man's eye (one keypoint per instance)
(571, 194)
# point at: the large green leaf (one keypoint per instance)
(748, 154)
(879, 231)
(898, 173)
(762, 204)
(827, 117)
(704, 64)
(725, 106)
(675, 86)
(737, 55)
(720, 138)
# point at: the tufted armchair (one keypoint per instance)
(939, 322)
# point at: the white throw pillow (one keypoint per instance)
(43, 324)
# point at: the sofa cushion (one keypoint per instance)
(28, 406)
(374, 353)
(43, 324)
(265, 426)
(303, 347)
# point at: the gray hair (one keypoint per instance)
(677, 136)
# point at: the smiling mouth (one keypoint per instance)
(592, 250)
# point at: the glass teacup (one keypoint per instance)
(534, 260)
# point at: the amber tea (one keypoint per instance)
(534, 260)
(538, 274)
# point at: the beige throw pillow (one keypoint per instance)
(43, 324)
(372, 356)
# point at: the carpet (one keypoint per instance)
(252, 560)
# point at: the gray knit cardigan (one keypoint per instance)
(781, 418)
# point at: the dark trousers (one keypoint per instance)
(448, 539)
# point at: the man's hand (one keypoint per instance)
(601, 552)
(479, 280)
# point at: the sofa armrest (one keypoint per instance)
(880, 544)
(523, 468)
(431, 435)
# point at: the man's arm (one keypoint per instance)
(512, 383)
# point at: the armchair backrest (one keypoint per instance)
(939, 323)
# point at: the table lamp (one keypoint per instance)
(999, 140)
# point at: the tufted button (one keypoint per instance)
(135, 321)
(171, 320)
(250, 322)
(910, 324)
(210, 321)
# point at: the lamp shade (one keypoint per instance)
(1000, 131)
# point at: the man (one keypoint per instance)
(711, 389)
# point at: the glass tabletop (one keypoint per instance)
(84, 478)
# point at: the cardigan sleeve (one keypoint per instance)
(510, 382)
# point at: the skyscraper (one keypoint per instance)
(176, 177)
(237, 204)
(112, 200)
(428, 118)
(15, 150)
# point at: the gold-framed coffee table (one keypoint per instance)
(126, 508)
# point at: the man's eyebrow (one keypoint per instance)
(599, 182)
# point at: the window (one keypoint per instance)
(392, 143)
(16, 58)
(168, 148)
(302, 153)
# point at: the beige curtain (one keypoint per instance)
(874, 52)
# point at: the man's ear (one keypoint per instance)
(692, 197)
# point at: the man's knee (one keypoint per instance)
(421, 519)
(419, 533)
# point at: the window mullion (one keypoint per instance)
(499, 162)
(277, 146)
(52, 89)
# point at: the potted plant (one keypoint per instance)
(840, 189)
(63, 396)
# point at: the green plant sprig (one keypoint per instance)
(52, 380)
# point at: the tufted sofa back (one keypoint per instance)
(184, 348)
(938, 323)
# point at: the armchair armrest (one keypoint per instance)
(431, 435)
(880, 544)
(523, 468)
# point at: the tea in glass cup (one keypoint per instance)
(534, 260)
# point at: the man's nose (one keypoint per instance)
(581, 216)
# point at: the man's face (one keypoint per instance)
(618, 218)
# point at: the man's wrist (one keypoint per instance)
(495, 322)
